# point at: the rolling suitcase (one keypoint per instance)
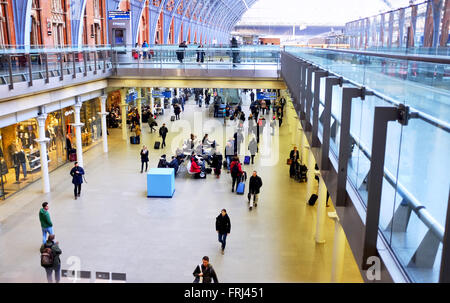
(73, 155)
(247, 160)
(225, 164)
(312, 200)
(157, 145)
(241, 188)
(172, 118)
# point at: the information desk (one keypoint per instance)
(161, 182)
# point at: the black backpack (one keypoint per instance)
(47, 256)
(235, 169)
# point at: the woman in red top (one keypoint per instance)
(236, 172)
(195, 168)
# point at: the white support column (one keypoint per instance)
(123, 108)
(42, 140)
(78, 125)
(321, 210)
(139, 104)
(152, 101)
(337, 263)
(103, 113)
(309, 162)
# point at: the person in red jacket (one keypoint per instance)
(195, 168)
(236, 172)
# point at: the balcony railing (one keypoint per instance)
(20, 64)
(340, 97)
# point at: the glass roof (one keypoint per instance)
(321, 12)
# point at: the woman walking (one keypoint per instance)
(144, 158)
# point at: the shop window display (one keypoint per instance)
(21, 155)
(20, 158)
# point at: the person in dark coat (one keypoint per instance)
(254, 188)
(235, 51)
(68, 146)
(163, 133)
(144, 158)
(180, 53)
(177, 111)
(223, 227)
(294, 156)
(217, 163)
(56, 252)
(200, 54)
(205, 271)
(77, 173)
(252, 96)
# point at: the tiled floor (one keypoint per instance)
(114, 227)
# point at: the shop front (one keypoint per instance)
(91, 132)
(20, 158)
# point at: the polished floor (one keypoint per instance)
(114, 227)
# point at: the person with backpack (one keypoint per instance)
(223, 228)
(46, 223)
(50, 260)
(77, 173)
(163, 133)
(204, 273)
(254, 188)
(236, 172)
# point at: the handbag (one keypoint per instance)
(199, 279)
(289, 162)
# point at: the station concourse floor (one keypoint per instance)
(114, 227)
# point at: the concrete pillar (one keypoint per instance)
(321, 209)
(337, 263)
(42, 140)
(123, 108)
(78, 125)
(103, 113)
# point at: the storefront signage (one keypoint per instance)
(118, 15)
(267, 96)
(131, 97)
(69, 112)
(160, 94)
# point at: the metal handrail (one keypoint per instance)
(437, 229)
(405, 57)
(421, 115)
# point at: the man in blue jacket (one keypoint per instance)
(77, 173)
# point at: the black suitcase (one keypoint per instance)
(172, 118)
(157, 144)
(134, 140)
(225, 164)
(312, 200)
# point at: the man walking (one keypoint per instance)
(50, 260)
(46, 223)
(252, 96)
(204, 273)
(163, 133)
(223, 228)
(254, 187)
(77, 173)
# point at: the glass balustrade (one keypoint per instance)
(416, 179)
